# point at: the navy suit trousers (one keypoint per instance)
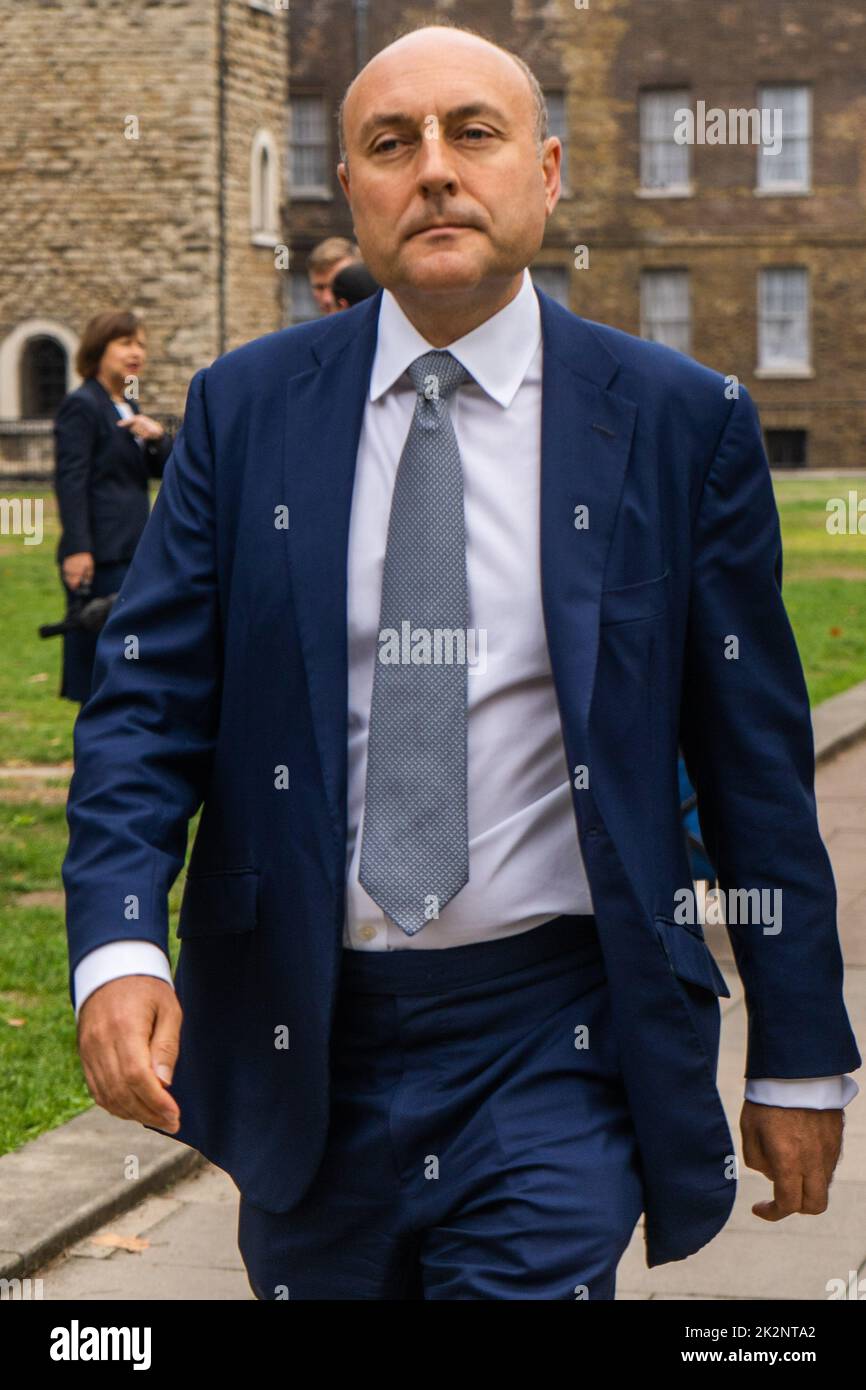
(480, 1143)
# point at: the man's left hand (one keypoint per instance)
(797, 1149)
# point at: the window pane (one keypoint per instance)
(308, 120)
(308, 168)
(665, 313)
(552, 280)
(663, 163)
(786, 448)
(303, 306)
(309, 151)
(556, 118)
(783, 318)
(792, 165)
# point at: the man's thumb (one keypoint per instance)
(163, 1052)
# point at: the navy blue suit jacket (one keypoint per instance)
(238, 668)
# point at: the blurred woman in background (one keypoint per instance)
(106, 450)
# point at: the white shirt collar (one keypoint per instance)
(497, 353)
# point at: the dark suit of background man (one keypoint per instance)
(441, 1022)
(106, 450)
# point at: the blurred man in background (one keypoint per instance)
(323, 263)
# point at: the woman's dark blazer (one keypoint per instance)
(101, 476)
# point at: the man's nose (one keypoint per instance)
(435, 165)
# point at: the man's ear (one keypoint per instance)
(343, 176)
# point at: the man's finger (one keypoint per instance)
(816, 1195)
(164, 1044)
(97, 1085)
(754, 1154)
(787, 1197)
(143, 1091)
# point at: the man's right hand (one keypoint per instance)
(78, 568)
(128, 1041)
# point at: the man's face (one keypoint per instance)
(440, 129)
(320, 283)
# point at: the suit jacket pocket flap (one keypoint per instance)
(690, 957)
(635, 600)
(219, 904)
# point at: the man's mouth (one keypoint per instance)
(442, 227)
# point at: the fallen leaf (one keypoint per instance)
(16, 1022)
(119, 1242)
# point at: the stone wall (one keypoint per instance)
(92, 219)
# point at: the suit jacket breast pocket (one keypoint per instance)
(633, 602)
(222, 903)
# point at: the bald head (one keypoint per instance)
(432, 34)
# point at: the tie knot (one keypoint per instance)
(436, 375)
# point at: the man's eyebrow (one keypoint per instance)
(402, 118)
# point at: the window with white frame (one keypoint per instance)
(264, 199)
(665, 309)
(790, 115)
(557, 126)
(783, 319)
(665, 166)
(309, 147)
(552, 280)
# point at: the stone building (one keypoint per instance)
(142, 154)
(754, 262)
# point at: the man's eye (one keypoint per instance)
(382, 147)
(475, 130)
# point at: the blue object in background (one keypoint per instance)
(698, 858)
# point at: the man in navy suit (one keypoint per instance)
(446, 1018)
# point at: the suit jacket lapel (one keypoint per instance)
(324, 414)
(586, 434)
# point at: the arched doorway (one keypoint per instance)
(43, 368)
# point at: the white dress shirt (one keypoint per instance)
(525, 864)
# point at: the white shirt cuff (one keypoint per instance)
(810, 1092)
(115, 959)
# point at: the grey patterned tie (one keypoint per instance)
(415, 846)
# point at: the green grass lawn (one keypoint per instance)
(43, 1084)
(823, 584)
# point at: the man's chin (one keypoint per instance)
(442, 273)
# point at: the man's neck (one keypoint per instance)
(443, 318)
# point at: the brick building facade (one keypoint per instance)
(752, 262)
